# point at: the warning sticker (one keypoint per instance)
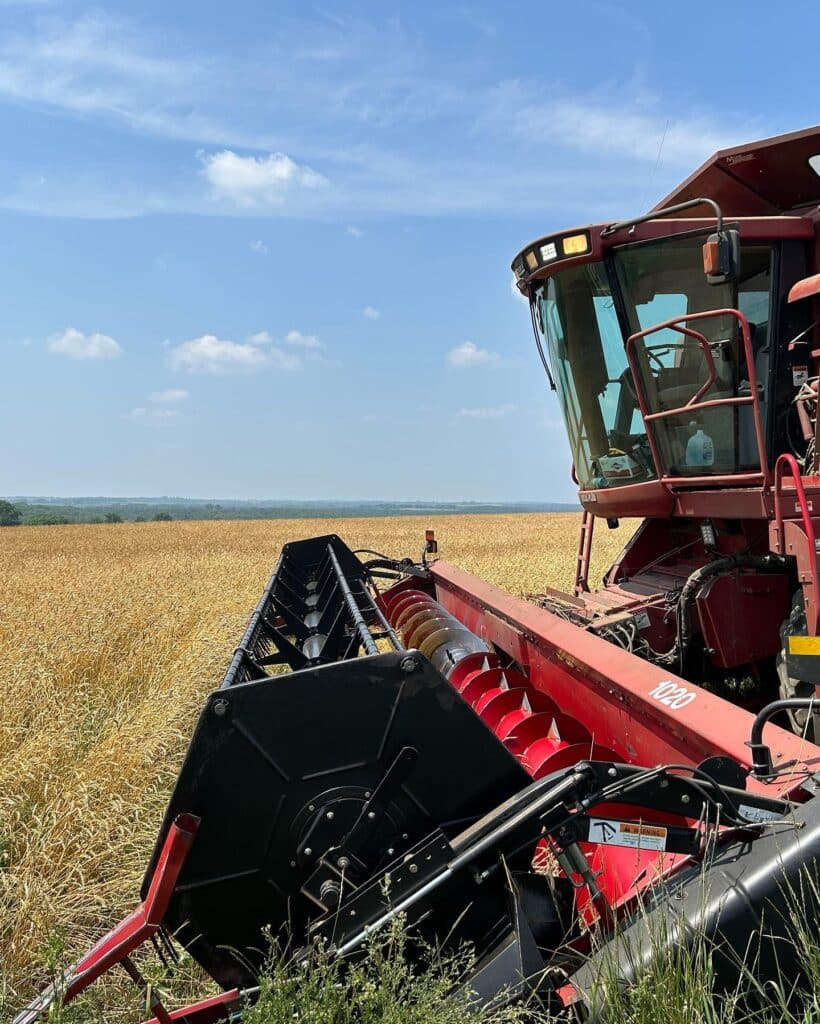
(757, 813)
(642, 620)
(627, 833)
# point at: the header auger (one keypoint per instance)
(547, 778)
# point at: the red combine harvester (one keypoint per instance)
(533, 776)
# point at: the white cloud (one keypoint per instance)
(256, 180)
(152, 415)
(209, 354)
(308, 341)
(260, 338)
(371, 313)
(170, 396)
(493, 412)
(257, 245)
(469, 354)
(353, 231)
(77, 345)
(212, 355)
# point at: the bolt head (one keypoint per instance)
(613, 772)
(413, 869)
(220, 707)
(308, 851)
(330, 815)
(408, 664)
(685, 798)
(371, 815)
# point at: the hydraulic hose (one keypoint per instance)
(762, 563)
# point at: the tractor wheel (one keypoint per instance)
(789, 685)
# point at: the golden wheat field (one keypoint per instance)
(110, 637)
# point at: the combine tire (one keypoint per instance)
(790, 686)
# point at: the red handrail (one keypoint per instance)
(787, 461)
(676, 324)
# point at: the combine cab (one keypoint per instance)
(533, 776)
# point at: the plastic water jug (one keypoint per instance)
(700, 451)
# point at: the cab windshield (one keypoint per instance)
(585, 314)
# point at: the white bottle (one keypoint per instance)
(700, 451)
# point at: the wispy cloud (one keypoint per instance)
(639, 130)
(370, 313)
(304, 341)
(353, 231)
(493, 412)
(260, 338)
(146, 414)
(171, 396)
(76, 345)
(468, 354)
(334, 151)
(257, 245)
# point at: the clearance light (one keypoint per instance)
(549, 252)
(531, 260)
(711, 255)
(576, 245)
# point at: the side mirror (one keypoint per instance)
(721, 257)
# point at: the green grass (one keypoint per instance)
(399, 982)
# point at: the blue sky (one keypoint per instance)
(262, 249)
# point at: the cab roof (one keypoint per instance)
(756, 179)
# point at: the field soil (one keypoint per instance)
(110, 638)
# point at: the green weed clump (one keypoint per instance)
(388, 984)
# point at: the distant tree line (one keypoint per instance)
(44, 515)
(58, 512)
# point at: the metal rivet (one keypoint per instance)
(371, 815)
(329, 815)
(408, 664)
(413, 869)
(311, 807)
(685, 798)
(352, 913)
(220, 707)
(308, 851)
(613, 772)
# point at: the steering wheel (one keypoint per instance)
(654, 357)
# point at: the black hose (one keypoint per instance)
(689, 591)
(761, 755)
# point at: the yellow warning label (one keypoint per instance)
(627, 833)
(643, 830)
(804, 645)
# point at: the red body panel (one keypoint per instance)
(610, 690)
